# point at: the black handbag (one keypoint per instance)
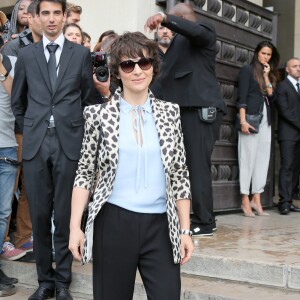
(85, 213)
(254, 120)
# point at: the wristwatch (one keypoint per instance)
(186, 232)
(3, 76)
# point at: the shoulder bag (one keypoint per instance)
(253, 119)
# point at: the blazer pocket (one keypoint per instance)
(76, 123)
(28, 122)
(181, 74)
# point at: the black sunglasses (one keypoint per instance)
(144, 63)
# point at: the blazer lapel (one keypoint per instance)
(163, 122)
(65, 57)
(41, 60)
(292, 87)
(110, 119)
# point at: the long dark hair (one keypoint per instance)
(258, 67)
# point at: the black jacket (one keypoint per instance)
(288, 104)
(188, 69)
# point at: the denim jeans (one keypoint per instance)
(8, 175)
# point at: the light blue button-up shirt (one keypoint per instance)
(140, 184)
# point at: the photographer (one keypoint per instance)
(101, 77)
(8, 162)
(30, 35)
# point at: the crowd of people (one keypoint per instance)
(134, 126)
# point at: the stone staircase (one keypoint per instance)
(248, 258)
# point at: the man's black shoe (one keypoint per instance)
(284, 211)
(7, 290)
(7, 280)
(29, 257)
(201, 232)
(42, 293)
(294, 208)
(296, 196)
(63, 294)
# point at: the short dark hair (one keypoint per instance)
(72, 25)
(132, 44)
(62, 2)
(32, 8)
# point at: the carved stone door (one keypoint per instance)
(240, 26)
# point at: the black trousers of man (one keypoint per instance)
(49, 179)
(289, 166)
(199, 140)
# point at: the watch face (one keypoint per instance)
(2, 77)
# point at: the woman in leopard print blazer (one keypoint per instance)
(139, 217)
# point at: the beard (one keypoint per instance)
(163, 42)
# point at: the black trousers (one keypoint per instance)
(289, 166)
(199, 140)
(125, 241)
(49, 179)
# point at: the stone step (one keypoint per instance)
(257, 272)
(193, 287)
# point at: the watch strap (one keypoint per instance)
(186, 232)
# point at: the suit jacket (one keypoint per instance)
(188, 69)
(249, 95)
(33, 101)
(104, 120)
(288, 104)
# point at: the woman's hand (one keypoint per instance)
(186, 248)
(245, 128)
(267, 69)
(76, 243)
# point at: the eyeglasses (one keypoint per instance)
(144, 63)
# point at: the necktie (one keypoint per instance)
(52, 64)
(298, 87)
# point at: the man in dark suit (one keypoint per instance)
(288, 104)
(188, 78)
(52, 84)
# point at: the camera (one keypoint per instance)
(25, 38)
(99, 60)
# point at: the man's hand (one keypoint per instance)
(153, 22)
(102, 87)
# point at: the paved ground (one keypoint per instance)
(273, 240)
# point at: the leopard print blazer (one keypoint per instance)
(106, 117)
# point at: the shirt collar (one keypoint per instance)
(125, 107)
(292, 80)
(59, 41)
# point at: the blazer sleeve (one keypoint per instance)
(201, 34)
(244, 83)
(19, 92)
(87, 84)
(85, 173)
(285, 109)
(179, 174)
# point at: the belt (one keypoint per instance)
(10, 161)
(51, 124)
